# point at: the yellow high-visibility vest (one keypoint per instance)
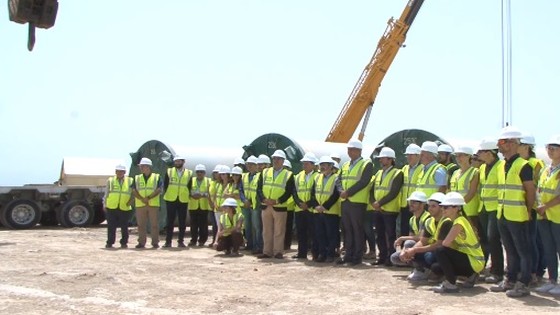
(382, 186)
(434, 227)
(427, 181)
(467, 243)
(461, 183)
(324, 190)
(178, 185)
(409, 182)
(304, 184)
(489, 186)
(202, 187)
(414, 226)
(250, 188)
(273, 188)
(146, 188)
(548, 185)
(350, 176)
(227, 224)
(119, 195)
(511, 194)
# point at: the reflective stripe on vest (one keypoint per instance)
(489, 186)
(250, 188)
(349, 177)
(461, 183)
(415, 224)
(409, 182)
(178, 185)
(147, 188)
(433, 228)
(274, 188)
(511, 194)
(427, 181)
(382, 187)
(119, 195)
(467, 243)
(548, 186)
(323, 191)
(304, 184)
(202, 187)
(227, 224)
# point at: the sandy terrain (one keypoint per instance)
(67, 271)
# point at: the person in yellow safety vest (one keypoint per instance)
(488, 153)
(538, 264)
(417, 204)
(445, 158)
(230, 237)
(336, 158)
(461, 254)
(251, 210)
(213, 196)
(516, 197)
(369, 231)
(117, 203)
(324, 203)
(303, 183)
(422, 254)
(147, 188)
(239, 162)
(274, 189)
(549, 215)
(465, 181)
(411, 171)
(433, 177)
(200, 203)
(177, 185)
(353, 181)
(235, 188)
(290, 218)
(385, 200)
(263, 162)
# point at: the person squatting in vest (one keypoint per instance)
(230, 236)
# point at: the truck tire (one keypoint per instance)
(49, 218)
(21, 214)
(98, 213)
(75, 213)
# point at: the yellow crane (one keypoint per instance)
(360, 101)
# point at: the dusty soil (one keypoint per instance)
(67, 271)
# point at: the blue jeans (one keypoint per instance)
(423, 261)
(395, 257)
(257, 234)
(515, 237)
(489, 225)
(550, 236)
(326, 228)
(538, 263)
(248, 227)
(368, 229)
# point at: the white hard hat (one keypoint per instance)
(528, 139)
(236, 171)
(464, 150)
(264, 159)
(417, 196)
(445, 148)
(412, 148)
(326, 159)
(224, 169)
(355, 143)
(229, 202)
(120, 167)
(279, 154)
(335, 156)
(252, 159)
(437, 196)
(145, 161)
(178, 157)
(309, 157)
(336, 165)
(554, 140)
(453, 199)
(217, 168)
(200, 167)
(488, 144)
(238, 161)
(387, 153)
(429, 146)
(287, 163)
(510, 132)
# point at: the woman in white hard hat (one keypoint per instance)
(461, 254)
(230, 224)
(213, 196)
(549, 215)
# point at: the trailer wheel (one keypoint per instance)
(21, 214)
(75, 213)
(98, 213)
(49, 218)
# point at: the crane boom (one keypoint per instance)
(364, 92)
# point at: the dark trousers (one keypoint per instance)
(515, 237)
(452, 263)
(117, 219)
(538, 264)
(368, 230)
(304, 230)
(550, 235)
(404, 217)
(230, 242)
(199, 226)
(176, 209)
(326, 229)
(288, 236)
(385, 226)
(214, 224)
(493, 248)
(353, 223)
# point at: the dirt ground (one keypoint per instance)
(67, 271)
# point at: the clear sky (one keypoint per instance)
(111, 75)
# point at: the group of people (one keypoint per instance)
(455, 219)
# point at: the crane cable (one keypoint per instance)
(507, 95)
